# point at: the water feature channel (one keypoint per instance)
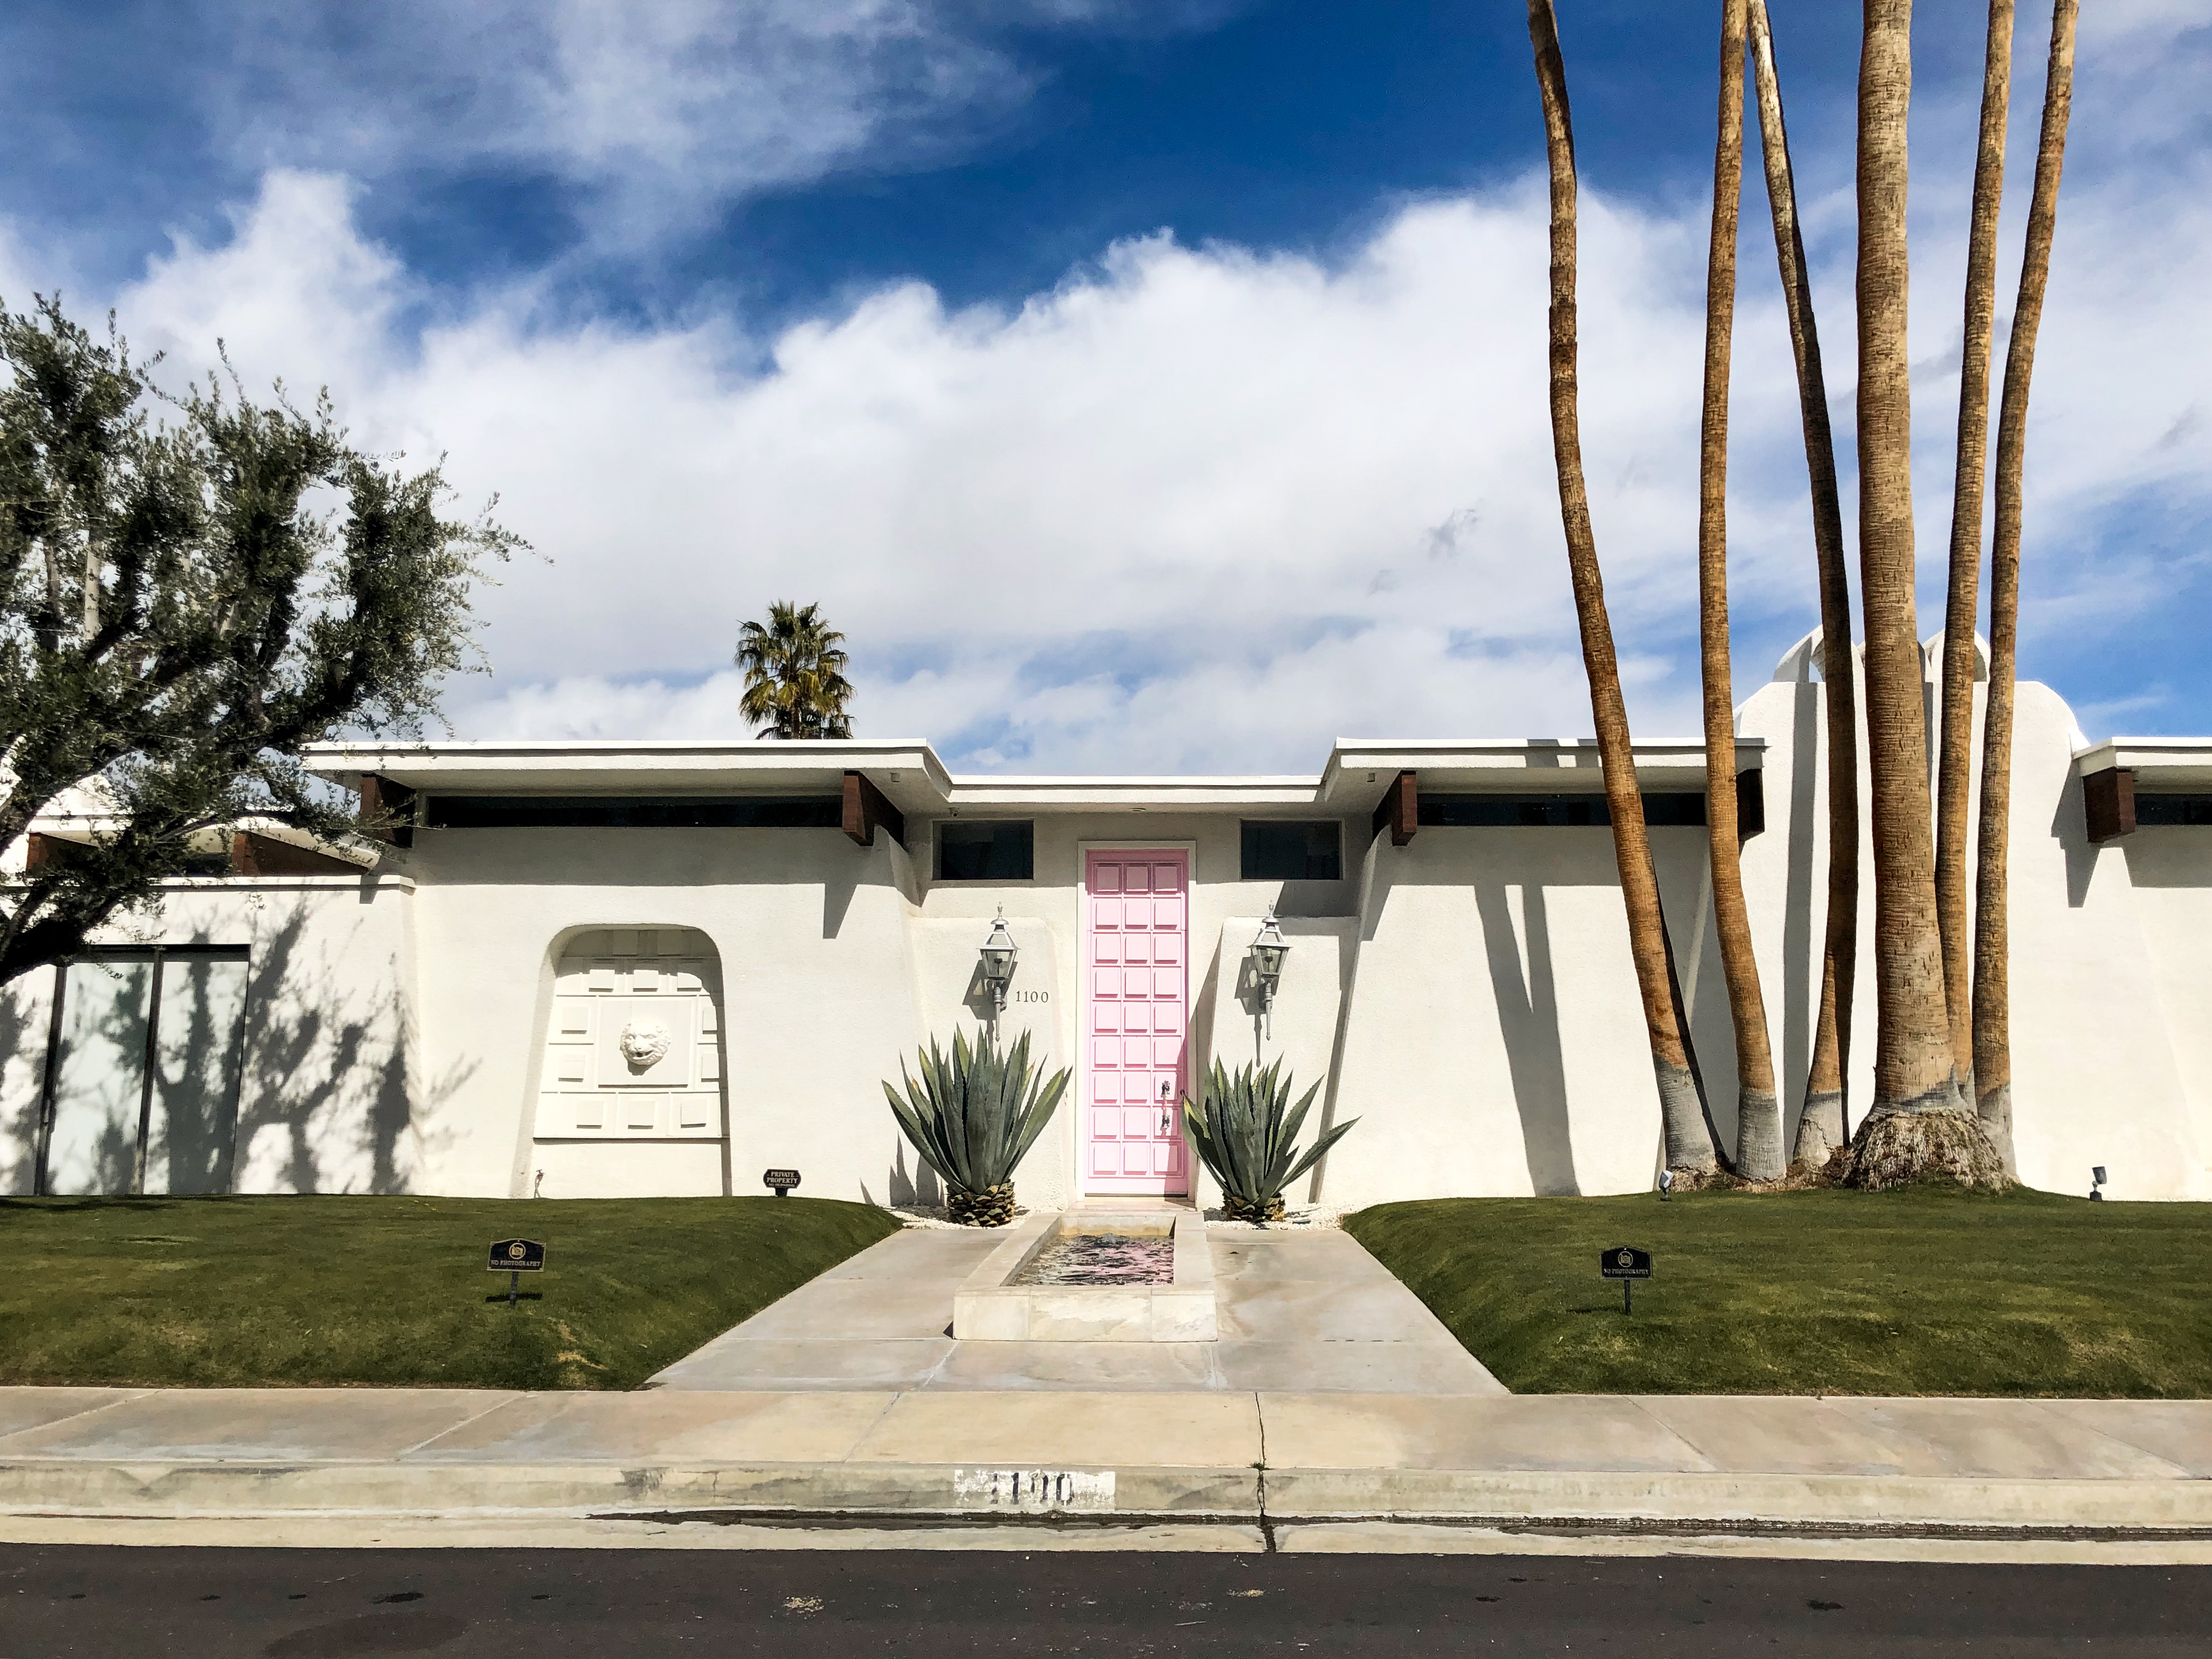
(1102, 1259)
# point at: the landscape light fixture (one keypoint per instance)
(1269, 951)
(2096, 1180)
(1666, 1185)
(998, 953)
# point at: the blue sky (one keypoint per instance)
(1131, 380)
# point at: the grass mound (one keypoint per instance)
(1923, 1290)
(241, 1292)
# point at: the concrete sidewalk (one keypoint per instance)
(1261, 1457)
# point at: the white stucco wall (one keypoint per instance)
(1306, 1027)
(2104, 975)
(1468, 997)
(1495, 1042)
(335, 1094)
(2171, 893)
(25, 1010)
(950, 995)
(818, 990)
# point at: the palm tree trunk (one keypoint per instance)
(1822, 1128)
(1758, 1113)
(1689, 1145)
(1992, 1005)
(1955, 744)
(1912, 1060)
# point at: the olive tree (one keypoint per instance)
(193, 586)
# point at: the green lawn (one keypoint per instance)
(240, 1291)
(1925, 1291)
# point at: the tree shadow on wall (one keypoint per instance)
(1528, 1020)
(99, 1076)
(328, 1079)
(25, 1017)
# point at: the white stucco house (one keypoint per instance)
(604, 968)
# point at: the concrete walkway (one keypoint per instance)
(1307, 1310)
(1732, 1464)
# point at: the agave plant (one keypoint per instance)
(1247, 1134)
(970, 1120)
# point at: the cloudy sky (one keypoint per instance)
(1143, 385)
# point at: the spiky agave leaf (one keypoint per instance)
(1246, 1132)
(972, 1117)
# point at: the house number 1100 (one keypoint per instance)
(1033, 996)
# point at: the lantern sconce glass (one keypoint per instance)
(999, 951)
(1269, 950)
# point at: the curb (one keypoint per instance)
(946, 1494)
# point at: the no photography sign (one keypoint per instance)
(1627, 1264)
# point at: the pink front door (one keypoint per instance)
(1136, 954)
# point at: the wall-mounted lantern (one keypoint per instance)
(998, 953)
(1269, 950)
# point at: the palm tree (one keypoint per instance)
(1821, 1127)
(1689, 1144)
(1913, 1058)
(1992, 1007)
(1758, 1113)
(795, 685)
(1955, 744)
(1917, 1122)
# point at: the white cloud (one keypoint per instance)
(1202, 508)
(1141, 522)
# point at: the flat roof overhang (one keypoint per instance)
(911, 777)
(1361, 769)
(906, 769)
(2171, 765)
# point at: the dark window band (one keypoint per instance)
(634, 812)
(2166, 810)
(1660, 810)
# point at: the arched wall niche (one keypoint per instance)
(631, 1097)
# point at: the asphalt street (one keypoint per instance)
(310, 1604)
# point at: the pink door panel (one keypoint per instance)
(1135, 946)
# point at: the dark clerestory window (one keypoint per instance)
(1274, 851)
(2168, 809)
(1674, 809)
(634, 812)
(986, 849)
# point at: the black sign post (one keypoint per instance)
(782, 1180)
(515, 1257)
(1626, 1264)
